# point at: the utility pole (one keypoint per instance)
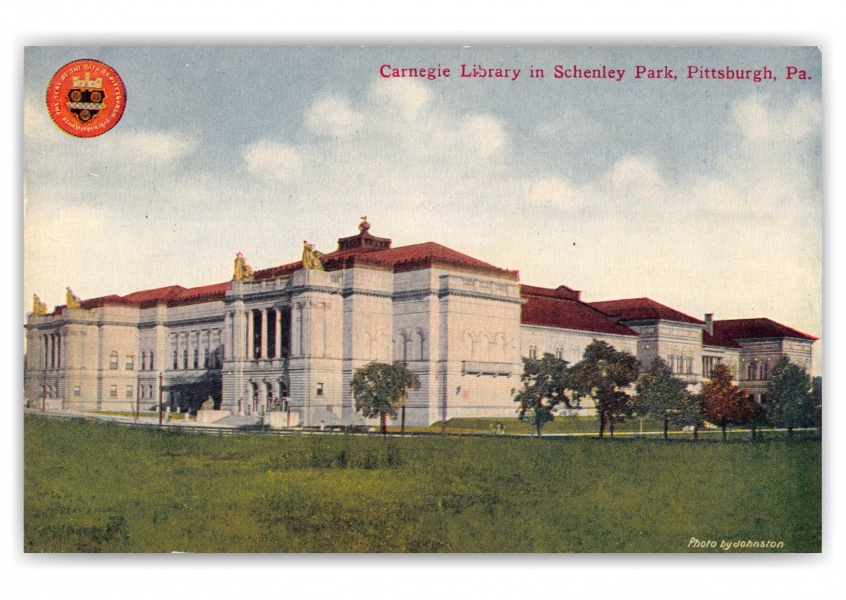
(161, 396)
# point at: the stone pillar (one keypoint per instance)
(278, 339)
(264, 325)
(250, 334)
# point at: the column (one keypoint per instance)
(250, 334)
(278, 339)
(59, 350)
(264, 353)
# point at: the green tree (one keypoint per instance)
(816, 393)
(380, 389)
(664, 397)
(789, 396)
(724, 404)
(544, 388)
(604, 374)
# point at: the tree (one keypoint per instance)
(380, 389)
(816, 393)
(544, 388)
(665, 397)
(790, 396)
(724, 404)
(604, 374)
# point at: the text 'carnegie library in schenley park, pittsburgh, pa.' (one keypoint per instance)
(286, 341)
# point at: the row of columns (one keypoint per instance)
(185, 345)
(263, 348)
(52, 343)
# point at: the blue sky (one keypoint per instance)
(703, 195)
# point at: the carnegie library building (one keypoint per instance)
(288, 339)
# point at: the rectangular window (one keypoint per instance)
(319, 389)
(113, 361)
(113, 391)
(76, 391)
(130, 362)
(129, 391)
(152, 362)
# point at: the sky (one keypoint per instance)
(702, 194)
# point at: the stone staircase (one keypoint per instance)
(240, 422)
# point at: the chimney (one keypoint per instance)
(709, 323)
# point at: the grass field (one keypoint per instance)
(96, 487)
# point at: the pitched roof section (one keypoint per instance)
(717, 340)
(642, 309)
(412, 258)
(744, 329)
(204, 293)
(557, 308)
(172, 295)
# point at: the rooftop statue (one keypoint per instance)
(243, 271)
(311, 257)
(39, 309)
(71, 299)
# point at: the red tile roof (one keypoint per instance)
(740, 329)
(717, 340)
(642, 309)
(552, 308)
(561, 292)
(204, 293)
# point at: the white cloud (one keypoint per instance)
(159, 147)
(761, 123)
(334, 117)
(555, 191)
(484, 134)
(408, 96)
(273, 160)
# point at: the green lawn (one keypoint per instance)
(96, 487)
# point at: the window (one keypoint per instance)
(76, 391)
(129, 391)
(175, 359)
(319, 389)
(750, 372)
(206, 362)
(113, 361)
(152, 364)
(113, 391)
(130, 362)
(533, 351)
(196, 358)
(185, 358)
(765, 368)
(143, 360)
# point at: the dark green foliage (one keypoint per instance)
(381, 389)
(545, 382)
(604, 374)
(816, 404)
(665, 398)
(790, 397)
(724, 404)
(98, 487)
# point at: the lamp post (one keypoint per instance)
(161, 396)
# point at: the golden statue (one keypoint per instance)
(311, 257)
(39, 309)
(71, 299)
(243, 271)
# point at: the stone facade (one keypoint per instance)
(289, 339)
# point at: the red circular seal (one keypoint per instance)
(86, 98)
